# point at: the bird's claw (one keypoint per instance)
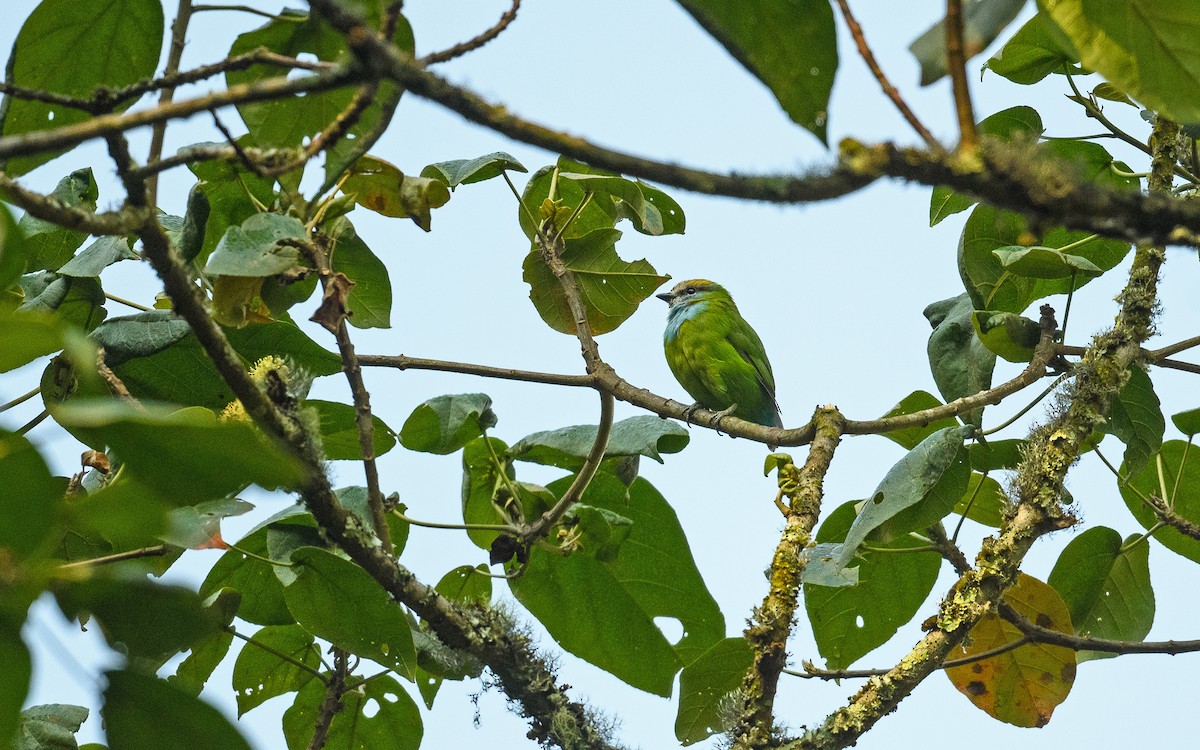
(715, 422)
(689, 412)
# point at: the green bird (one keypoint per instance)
(716, 356)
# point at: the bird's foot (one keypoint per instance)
(689, 412)
(715, 422)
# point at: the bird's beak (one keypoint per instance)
(665, 297)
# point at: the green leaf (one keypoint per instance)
(199, 526)
(1106, 587)
(393, 723)
(996, 454)
(466, 171)
(254, 249)
(194, 671)
(259, 675)
(73, 300)
(849, 622)
(1187, 422)
(207, 458)
(914, 402)
(25, 337)
(327, 588)
(381, 187)
(1145, 47)
(50, 727)
(611, 288)
(73, 48)
(569, 196)
(597, 532)
(262, 593)
(370, 299)
(1182, 480)
(655, 564)
(31, 494)
(157, 357)
(589, 613)
(230, 196)
(984, 501)
(916, 493)
(1045, 263)
(1135, 417)
(791, 46)
(339, 431)
(13, 250)
(142, 712)
(149, 619)
(631, 201)
(17, 667)
(481, 481)
(645, 435)
(1030, 55)
(97, 256)
(47, 245)
(444, 424)
(982, 20)
(466, 584)
(288, 121)
(961, 364)
(704, 686)
(1011, 336)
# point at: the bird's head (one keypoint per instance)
(693, 291)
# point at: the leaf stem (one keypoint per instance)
(277, 653)
(20, 399)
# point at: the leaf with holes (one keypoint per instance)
(1106, 586)
(610, 288)
(849, 622)
(1022, 686)
(918, 491)
(1135, 417)
(380, 715)
(259, 674)
(704, 687)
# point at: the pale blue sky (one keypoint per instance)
(835, 290)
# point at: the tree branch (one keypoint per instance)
(956, 63)
(183, 16)
(331, 704)
(771, 624)
(864, 51)
(476, 42)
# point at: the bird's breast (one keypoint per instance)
(679, 315)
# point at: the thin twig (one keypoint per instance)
(812, 672)
(864, 51)
(20, 399)
(475, 43)
(331, 704)
(956, 62)
(133, 554)
(183, 15)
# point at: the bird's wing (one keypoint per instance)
(750, 347)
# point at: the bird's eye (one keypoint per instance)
(690, 290)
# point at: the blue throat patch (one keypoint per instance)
(678, 314)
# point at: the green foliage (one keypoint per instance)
(17, 667)
(445, 424)
(1174, 477)
(120, 39)
(1013, 337)
(148, 619)
(1031, 54)
(327, 587)
(467, 171)
(259, 674)
(644, 435)
(396, 725)
(982, 22)
(1106, 585)
(789, 46)
(136, 709)
(49, 727)
(47, 245)
(704, 685)
(1135, 417)
(961, 364)
(849, 622)
(916, 493)
(339, 432)
(1145, 47)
